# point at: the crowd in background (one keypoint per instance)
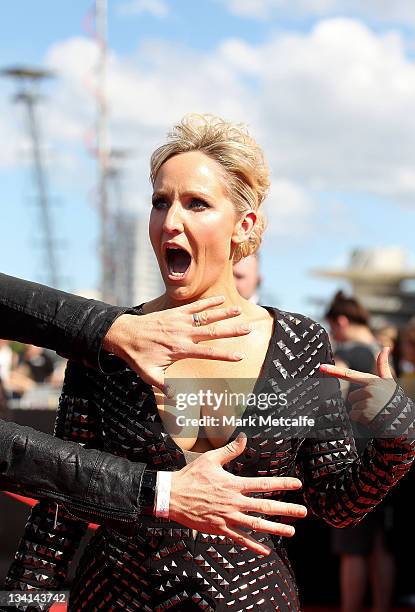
(28, 375)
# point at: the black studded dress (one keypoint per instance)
(166, 566)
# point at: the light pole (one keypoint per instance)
(27, 79)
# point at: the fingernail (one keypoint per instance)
(245, 328)
(297, 485)
(236, 309)
(239, 355)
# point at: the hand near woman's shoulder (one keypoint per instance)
(375, 392)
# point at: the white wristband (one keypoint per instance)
(163, 486)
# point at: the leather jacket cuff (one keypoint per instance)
(91, 336)
(107, 363)
(147, 493)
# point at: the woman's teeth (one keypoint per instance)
(178, 261)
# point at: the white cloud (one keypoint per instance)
(157, 8)
(146, 93)
(243, 57)
(288, 209)
(336, 108)
(259, 9)
(399, 11)
(332, 107)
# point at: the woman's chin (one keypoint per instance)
(184, 292)
(186, 287)
(175, 282)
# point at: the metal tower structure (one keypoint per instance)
(103, 149)
(27, 80)
(121, 232)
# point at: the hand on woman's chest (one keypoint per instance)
(199, 415)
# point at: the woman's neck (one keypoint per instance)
(225, 287)
(231, 295)
(360, 333)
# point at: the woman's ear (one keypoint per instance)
(244, 227)
(343, 321)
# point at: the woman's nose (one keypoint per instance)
(173, 221)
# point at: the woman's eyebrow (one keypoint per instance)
(158, 193)
(197, 193)
(190, 192)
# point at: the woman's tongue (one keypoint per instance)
(178, 261)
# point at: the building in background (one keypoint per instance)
(148, 282)
(122, 246)
(377, 277)
(135, 274)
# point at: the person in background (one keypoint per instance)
(7, 361)
(38, 364)
(35, 367)
(56, 379)
(407, 358)
(387, 336)
(247, 277)
(364, 549)
(4, 413)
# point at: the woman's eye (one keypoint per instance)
(160, 203)
(198, 204)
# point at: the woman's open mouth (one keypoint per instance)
(178, 262)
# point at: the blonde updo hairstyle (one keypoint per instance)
(246, 173)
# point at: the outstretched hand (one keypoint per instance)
(152, 342)
(206, 497)
(375, 391)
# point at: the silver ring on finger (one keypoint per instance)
(196, 319)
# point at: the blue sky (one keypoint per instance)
(330, 96)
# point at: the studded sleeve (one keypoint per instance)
(52, 535)
(339, 486)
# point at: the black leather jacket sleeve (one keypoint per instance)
(73, 326)
(94, 485)
(52, 534)
(98, 486)
(50, 524)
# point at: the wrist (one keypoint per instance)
(113, 339)
(124, 339)
(173, 505)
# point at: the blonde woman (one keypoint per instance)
(209, 182)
